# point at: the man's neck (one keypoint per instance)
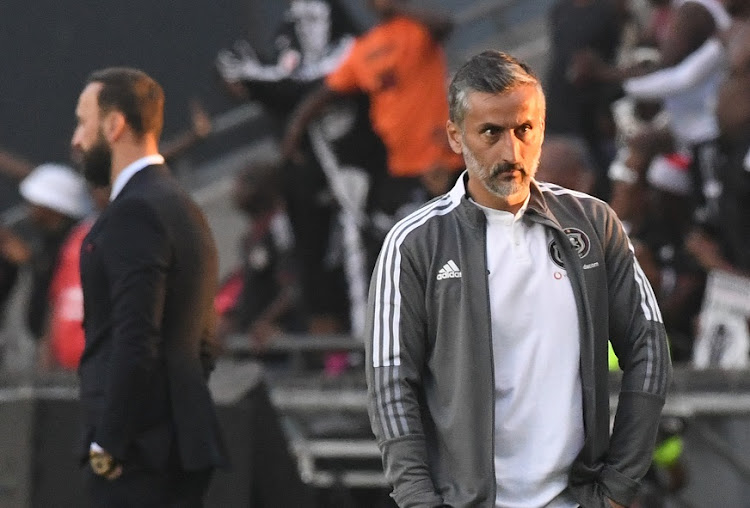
(125, 156)
(482, 196)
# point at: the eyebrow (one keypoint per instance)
(487, 125)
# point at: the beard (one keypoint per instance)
(492, 178)
(96, 162)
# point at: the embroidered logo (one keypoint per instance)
(449, 271)
(578, 239)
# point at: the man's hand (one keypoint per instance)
(199, 119)
(238, 63)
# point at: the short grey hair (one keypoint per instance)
(490, 71)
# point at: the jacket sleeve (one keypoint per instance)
(639, 339)
(136, 256)
(395, 359)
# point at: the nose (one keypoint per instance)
(75, 141)
(510, 147)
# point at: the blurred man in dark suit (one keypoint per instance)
(149, 275)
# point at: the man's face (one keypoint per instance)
(501, 142)
(91, 151)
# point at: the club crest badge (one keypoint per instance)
(577, 238)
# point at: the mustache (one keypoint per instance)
(506, 167)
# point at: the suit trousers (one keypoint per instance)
(146, 488)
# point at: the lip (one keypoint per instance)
(509, 174)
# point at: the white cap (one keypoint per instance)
(670, 173)
(59, 188)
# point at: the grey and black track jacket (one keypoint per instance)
(429, 351)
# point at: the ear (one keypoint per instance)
(113, 125)
(454, 137)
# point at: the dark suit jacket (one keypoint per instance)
(149, 276)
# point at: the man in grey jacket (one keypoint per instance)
(489, 314)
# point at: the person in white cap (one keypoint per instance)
(58, 199)
(55, 190)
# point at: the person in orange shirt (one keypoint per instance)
(400, 65)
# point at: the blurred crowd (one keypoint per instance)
(648, 108)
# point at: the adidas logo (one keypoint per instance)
(449, 271)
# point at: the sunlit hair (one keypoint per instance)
(133, 93)
(490, 71)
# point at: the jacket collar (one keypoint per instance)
(537, 208)
(134, 167)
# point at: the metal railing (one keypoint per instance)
(694, 394)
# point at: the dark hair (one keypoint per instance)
(490, 71)
(133, 93)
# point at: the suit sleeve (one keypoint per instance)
(136, 257)
(639, 339)
(395, 362)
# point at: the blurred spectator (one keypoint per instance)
(200, 128)
(627, 171)
(566, 161)
(575, 107)
(692, 65)
(676, 277)
(13, 253)
(64, 338)
(731, 239)
(400, 65)
(264, 297)
(58, 199)
(315, 35)
(340, 156)
(646, 26)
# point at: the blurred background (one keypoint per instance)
(297, 237)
